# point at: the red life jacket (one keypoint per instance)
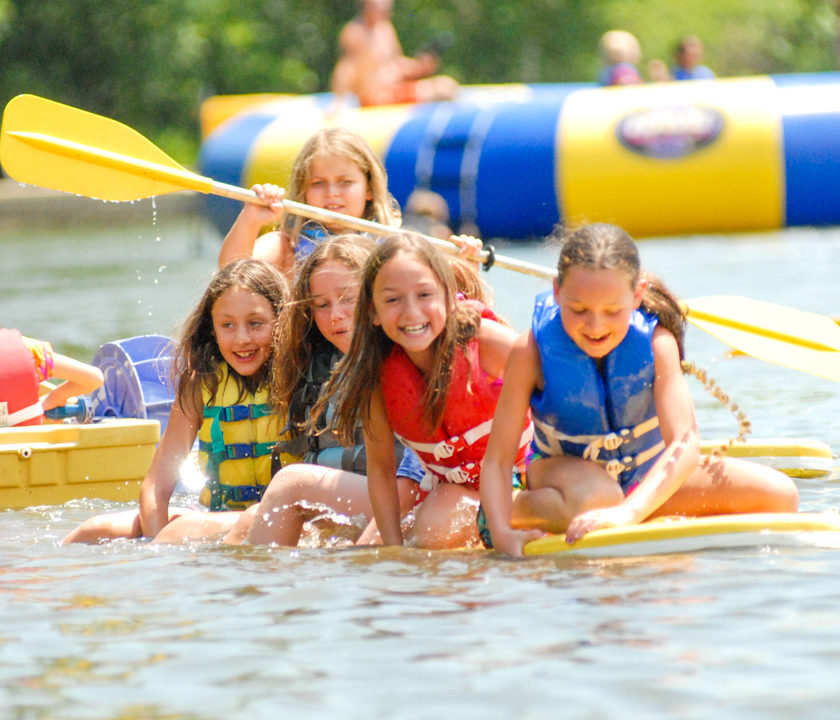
(454, 451)
(18, 382)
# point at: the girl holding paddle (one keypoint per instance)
(615, 436)
(221, 369)
(335, 170)
(426, 366)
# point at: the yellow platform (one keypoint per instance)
(691, 534)
(796, 458)
(51, 464)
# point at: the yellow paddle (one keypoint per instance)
(56, 146)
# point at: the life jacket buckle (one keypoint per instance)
(614, 468)
(239, 451)
(460, 475)
(447, 448)
(613, 441)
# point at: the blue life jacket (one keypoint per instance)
(608, 417)
(311, 235)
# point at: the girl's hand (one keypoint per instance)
(511, 542)
(273, 195)
(470, 247)
(600, 518)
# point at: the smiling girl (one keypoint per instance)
(426, 367)
(615, 436)
(221, 369)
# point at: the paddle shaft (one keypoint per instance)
(187, 180)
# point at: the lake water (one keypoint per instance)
(130, 630)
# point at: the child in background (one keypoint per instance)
(336, 170)
(24, 364)
(315, 329)
(621, 53)
(615, 436)
(427, 367)
(689, 60)
(221, 369)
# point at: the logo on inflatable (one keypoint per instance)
(670, 132)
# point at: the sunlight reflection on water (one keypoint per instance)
(133, 630)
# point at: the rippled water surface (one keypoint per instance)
(131, 630)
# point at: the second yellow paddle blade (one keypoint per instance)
(785, 336)
(91, 174)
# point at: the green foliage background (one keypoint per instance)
(150, 63)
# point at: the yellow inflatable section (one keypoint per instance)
(735, 170)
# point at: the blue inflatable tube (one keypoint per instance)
(512, 161)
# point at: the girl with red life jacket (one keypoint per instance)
(615, 436)
(24, 364)
(426, 367)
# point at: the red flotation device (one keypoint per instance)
(18, 382)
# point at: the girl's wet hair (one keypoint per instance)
(197, 358)
(347, 144)
(357, 375)
(296, 330)
(602, 246)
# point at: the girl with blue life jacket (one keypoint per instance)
(424, 366)
(221, 370)
(315, 329)
(335, 170)
(25, 363)
(615, 435)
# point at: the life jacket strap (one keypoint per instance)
(30, 412)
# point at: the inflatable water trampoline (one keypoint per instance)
(725, 155)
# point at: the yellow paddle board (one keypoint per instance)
(679, 535)
(796, 458)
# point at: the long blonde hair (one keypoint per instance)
(347, 144)
(357, 375)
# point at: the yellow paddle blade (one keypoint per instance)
(792, 338)
(56, 146)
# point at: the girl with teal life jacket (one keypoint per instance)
(335, 170)
(315, 329)
(221, 370)
(615, 435)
